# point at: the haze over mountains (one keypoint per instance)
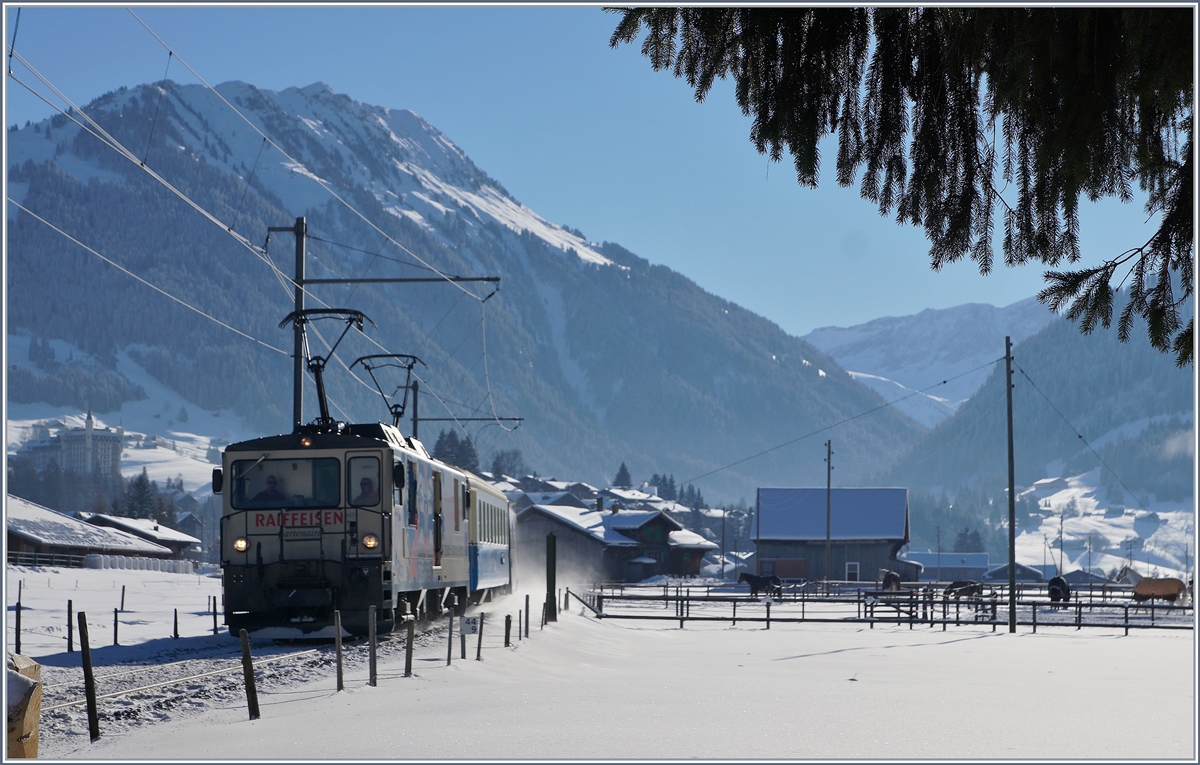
(608, 357)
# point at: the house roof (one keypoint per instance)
(145, 528)
(43, 526)
(685, 538)
(604, 525)
(929, 559)
(554, 498)
(859, 513)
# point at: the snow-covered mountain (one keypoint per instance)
(901, 355)
(607, 357)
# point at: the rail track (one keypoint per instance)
(152, 689)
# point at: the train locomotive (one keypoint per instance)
(341, 517)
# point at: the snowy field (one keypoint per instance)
(583, 688)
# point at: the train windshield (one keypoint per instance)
(286, 483)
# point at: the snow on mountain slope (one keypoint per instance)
(924, 408)
(334, 141)
(181, 448)
(924, 349)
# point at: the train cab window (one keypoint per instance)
(286, 483)
(362, 481)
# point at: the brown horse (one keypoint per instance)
(1162, 589)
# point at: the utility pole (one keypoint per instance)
(939, 558)
(828, 506)
(300, 231)
(724, 512)
(1012, 494)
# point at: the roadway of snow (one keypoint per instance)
(583, 688)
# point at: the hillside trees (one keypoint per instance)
(623, 479)
(452, 450)
(954, 114)
(509, 462)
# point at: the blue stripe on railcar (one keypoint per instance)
(489, 565)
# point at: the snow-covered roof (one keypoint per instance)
(44, 526)
(859, 513)
(929, 559)
(554, 498)
(146, 528)
(631, 496)
(588, 520)
(685, 538)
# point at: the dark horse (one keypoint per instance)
(963, 589)
(891, 581)
(759, 584)
(1058, 589)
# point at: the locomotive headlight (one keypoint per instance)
(306, 441)
(240, 544)
(370, 541)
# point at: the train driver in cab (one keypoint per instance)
(368, 494)
(271, 493)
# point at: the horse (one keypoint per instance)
(1059, 590)
(891, 581)
(758, 584)
(963, 589)
(1127, 574)
(1147, 588)
(1168, 589)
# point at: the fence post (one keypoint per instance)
(479, 645)
(1035, 617)
(115, 627)
(175, 634)
(600, 603)
(122, 598)
(89, 680)
(526, 614)
(769, 613)
(70, 627)
(18, 626)
(408, 648)
(214, 614)
(735, 613)
(1127, 620)
(450, 639)
(371, 663)
(337, 645)
(518, 624)
(507, 629)
(248, 673)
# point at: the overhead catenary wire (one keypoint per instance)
(94, 129)
(301, 165)
(154, 287)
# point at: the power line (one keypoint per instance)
(839, 423)
(1080, 436)
(156, 288)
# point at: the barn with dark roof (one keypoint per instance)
(867, 528)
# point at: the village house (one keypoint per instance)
(177, 542)
(606, 543)
(39, 536)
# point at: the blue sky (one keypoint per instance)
(588, 136)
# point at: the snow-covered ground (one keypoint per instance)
(583, 688)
